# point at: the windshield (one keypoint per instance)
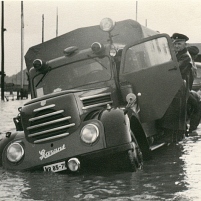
(73, 75)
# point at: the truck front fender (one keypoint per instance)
(116, 127)
(5, 139)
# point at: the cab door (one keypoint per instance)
(151, 68)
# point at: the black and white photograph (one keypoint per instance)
(100, 100)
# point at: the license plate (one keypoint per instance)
(56, 167)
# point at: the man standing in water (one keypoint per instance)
(173, 122)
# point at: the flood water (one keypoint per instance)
(174, 173)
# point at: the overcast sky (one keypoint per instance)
(165, 16)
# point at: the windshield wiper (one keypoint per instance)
(97, 61)
(41, 79)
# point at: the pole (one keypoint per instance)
(136, 11)
(42, 28)
(22, 43)
(57, 23)
(2, 51)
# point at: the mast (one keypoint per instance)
(57, 23)
(136, 12)
(2, 51)
(22, 43)
(42, 28)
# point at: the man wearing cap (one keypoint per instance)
(174, 120)
(183, 57)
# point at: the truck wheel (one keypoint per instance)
(138, 158)
(132, 160)
(124, 161)
(138, 153)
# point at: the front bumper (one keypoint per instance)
(86, 159)
(97, 158)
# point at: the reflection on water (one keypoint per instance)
(9, 110)
(192, 167)
(173, 174)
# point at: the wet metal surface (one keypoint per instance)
(173, 174)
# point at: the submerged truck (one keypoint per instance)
(96, 96)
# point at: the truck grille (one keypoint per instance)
(96, 100)
(48, 124)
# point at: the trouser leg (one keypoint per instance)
(195, 119)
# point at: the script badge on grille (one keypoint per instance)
(42, 103)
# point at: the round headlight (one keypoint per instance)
(97, 47)
(37, 64)
(89, 133)
(107, 24)
(40, 65)
(15, 152)
(113, 52)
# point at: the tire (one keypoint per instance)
(130, 160)
(139, 137)
(125, 161)
(138, 153)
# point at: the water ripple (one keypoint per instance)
(174, 174)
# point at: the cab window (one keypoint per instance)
(147, 54)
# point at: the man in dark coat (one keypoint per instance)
(174, 120)
(194, 110)
(183, 57)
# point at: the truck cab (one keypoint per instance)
(97, 99)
